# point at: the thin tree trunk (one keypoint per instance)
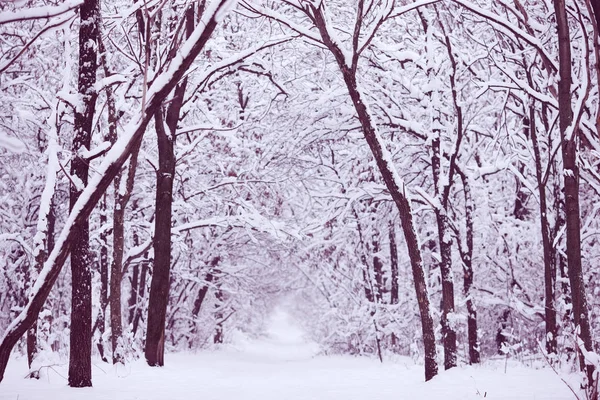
(549, 266)
(394, 298)
(467, 259)
(116, 276)
(394, 292)
(80, 358)
(204, 289)
(569, 135)
(132, 303)
(101, 319)
(378, 270)
(141, 296)
(218, 337)
(42, 256)
(394, 184)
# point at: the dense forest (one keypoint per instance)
(419, 178)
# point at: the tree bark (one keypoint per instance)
(80, 358)
(445, 247)
(549, 256)
(159, 285)
(394, 298)
(569, 135)
(101, 319)
(378, 270)
(467, 259)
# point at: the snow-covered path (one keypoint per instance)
(283, 366)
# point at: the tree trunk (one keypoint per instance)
(395, 185)
(549, 266)
(445, 247)
(32, 347)
(116, 272)
(394, 298)
(569, 135)
(101, 319)
(159, 286)
(135, 281)
(204, 289)
(141, 295)
(218, 337)
(378, 270)
(80, 359)
(467, 259)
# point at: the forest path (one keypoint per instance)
(284, 340)
(283, 365)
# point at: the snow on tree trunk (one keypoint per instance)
(467, 259)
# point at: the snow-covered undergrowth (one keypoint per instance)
(282, 365)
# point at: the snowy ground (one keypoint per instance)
(283, 366)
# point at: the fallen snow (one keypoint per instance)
(283, 365)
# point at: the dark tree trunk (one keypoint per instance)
(394, 291)
(393, 184)
(219, 316)
(204, 289)
(571, 185)
(448, 332)
(549, 256)
(80, 359)
(159, 285)
(378, 270)
(101, 319)
(367, 283)
(595, 4)
(467, 259)
(116, 325)
(394, 298)
(133, 294)
(445, 246)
